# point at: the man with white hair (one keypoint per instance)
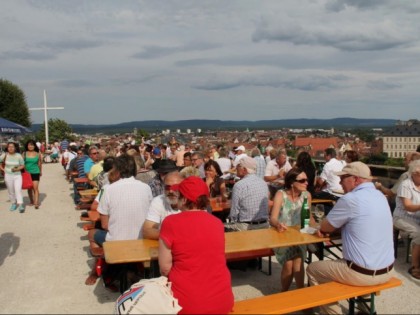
(249, 207)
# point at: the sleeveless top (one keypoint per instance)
(290, 212)
(31, 164)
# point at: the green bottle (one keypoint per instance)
(304, 214)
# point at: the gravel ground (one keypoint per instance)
(44, 261)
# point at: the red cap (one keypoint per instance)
(192, 187)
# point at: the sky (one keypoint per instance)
(108, 62)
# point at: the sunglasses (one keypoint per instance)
(303, 180)
(94, 153)
(169, 187)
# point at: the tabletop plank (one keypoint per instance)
(118, 252)
(88, 193)
(219, 206)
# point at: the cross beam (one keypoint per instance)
(45, 109)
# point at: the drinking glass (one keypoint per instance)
(318, 212)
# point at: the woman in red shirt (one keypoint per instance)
(192, 253)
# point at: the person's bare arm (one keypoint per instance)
(275, 212)
(409, 206)
(320, 184)
(165, 258)
(326, 227)
(150, 230)
(104, 221)
(386, 191)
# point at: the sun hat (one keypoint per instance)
(241, 147)
(358, 169)
(166, 166)
(192, 188)
(249, 163)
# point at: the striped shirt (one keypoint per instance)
(80, 162)
(407, 190)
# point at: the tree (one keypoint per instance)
(58, 129)
(13, 104)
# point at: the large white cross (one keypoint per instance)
(45, 109)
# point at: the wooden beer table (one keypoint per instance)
(88, 193)
(219, 206)
(242, 244)
(237, 245)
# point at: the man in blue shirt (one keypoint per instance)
(365, 220)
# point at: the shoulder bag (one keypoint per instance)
(148, 296)
(26, 180)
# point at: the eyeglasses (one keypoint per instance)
(194, 160)
(303, 180)
(342, 177)
(94, 153)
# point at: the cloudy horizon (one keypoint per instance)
(109, 62)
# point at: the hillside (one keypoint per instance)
(158, 125)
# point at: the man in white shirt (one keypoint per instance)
(224, 162)
(240, 153)
(328, 181)
(123, 208)
(276, 169)
(162, 206)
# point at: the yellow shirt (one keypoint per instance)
(95, 170)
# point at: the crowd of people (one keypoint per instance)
(162, 193)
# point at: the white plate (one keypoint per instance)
(308, 230)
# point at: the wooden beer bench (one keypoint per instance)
(309, 297)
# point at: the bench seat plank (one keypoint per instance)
(297, 300)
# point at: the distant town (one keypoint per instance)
(374, 145)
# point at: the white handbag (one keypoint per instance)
(148, 296)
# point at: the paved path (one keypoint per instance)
(43, 255)
(44, 262)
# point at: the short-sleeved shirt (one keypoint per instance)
(126, 202)
(328, 174)
(64, 145)
(366, 227)
(80, 162)
(199, 275)
(96, 169)
(224, 163)
(12, 160)
(69, 155)
(408, 190)
(159, 209)
(260, 166)
(88, 165)
(273, 168)
(238, 158)
(249, 200)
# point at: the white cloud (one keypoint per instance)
(134, 60)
